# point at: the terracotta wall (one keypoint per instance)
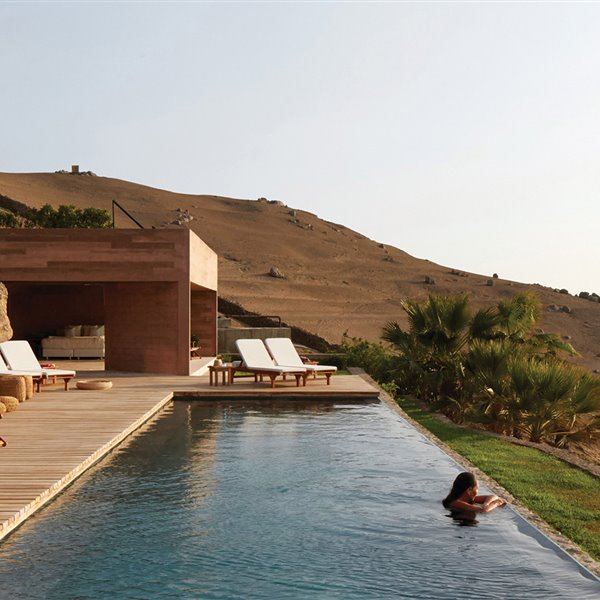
(204, 320)
(38, 310)
(87, 255)
(203, 264)
(142, 333)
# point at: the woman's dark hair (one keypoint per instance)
(461, 484)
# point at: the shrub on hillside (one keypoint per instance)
(376, 360)
(65, 216)
(8, 219)
(68, 216)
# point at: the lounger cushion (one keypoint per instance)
(256, 357)
(284, 353)
(19, 356)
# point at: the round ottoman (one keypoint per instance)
(10, 403)
(2, 409)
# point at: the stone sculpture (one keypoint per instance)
(6, 331)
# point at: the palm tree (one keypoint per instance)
(487, 363)
(437, 333)
(440, 323)
(553, 397)
(518, 315)
(515, 320)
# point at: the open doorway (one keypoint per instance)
(62, 322)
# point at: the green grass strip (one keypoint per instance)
(562, 495)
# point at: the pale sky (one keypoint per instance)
(465, 133)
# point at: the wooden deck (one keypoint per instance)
(56, 436)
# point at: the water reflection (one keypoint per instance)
(463, 519)
(271, 407)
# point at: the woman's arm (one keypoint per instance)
(492, 499)
(488, 504)
(467, 507)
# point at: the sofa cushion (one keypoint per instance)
(72, 330)
(92, 330)
(96, 342)
(54, 342)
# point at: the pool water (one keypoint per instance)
(280, 501)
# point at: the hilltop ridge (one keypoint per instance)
(334, 280)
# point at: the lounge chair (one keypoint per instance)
(36, 375)
(19, 357)
(285, 355)
(256, 360)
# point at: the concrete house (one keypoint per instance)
(150, 288)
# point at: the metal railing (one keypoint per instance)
(244, 317)
(115, 203)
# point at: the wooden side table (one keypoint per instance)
(226, 371)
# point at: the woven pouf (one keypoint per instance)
(2, 409)
(13, 385)
(28, 386)
(10, 403)
(94, 384)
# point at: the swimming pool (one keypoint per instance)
(281, 501)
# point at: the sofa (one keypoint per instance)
(75, 341)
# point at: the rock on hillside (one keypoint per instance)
(335, 279)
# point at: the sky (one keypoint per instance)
(466, 133)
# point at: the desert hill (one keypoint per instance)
(335, 279)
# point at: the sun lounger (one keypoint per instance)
(19, 356)
(285, 355)
(6, 370)
(36, 375)
(256, 359)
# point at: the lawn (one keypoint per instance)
(564, 496)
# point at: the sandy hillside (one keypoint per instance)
(336, 280)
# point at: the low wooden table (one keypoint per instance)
(195, 352)
(226, 371)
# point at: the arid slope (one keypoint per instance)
(336, 280)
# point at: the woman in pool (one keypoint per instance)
(463, 497)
